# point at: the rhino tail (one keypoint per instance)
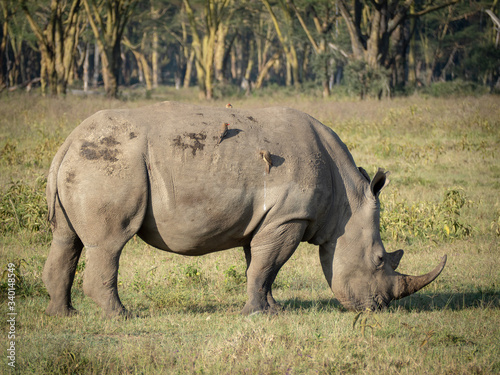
(51, 192)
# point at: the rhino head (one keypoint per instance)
(360, 272)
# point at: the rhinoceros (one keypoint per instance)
(168, 174)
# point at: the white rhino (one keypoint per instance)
(169, 174)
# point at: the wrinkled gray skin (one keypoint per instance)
(158, 172)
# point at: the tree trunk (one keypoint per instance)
(3, 43)
(86, 68)
(43, 76)
(357, 40)
(264, 71)
(95, 75)
(234, 61)
(154, 58)
(155, 45)
(189, 70)
(325, 81)
(142, 62)
(208, 62)
(412, 69)
(220, 50)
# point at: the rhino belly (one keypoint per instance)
(199, 226)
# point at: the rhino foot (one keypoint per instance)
(120, 314)
(250, 310)
(61, 310)
(275, 308)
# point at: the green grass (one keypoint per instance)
(443, 155)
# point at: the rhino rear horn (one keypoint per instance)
(406, 285)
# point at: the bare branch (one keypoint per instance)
(430, 10)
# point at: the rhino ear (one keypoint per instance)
(379, 182)
(394, 258)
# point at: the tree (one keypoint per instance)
(108, 19)
(371, 45)
(323, 16)
(456, 42)
(267, 53)
(204, 36)
(285, 38)
(371, 25)
(57, 32)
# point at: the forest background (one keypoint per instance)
(355, 47)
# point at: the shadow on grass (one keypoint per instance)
(449, 301)
(416, 302)
(288, 305)
(319, 305)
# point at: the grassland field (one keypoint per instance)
(444, 198)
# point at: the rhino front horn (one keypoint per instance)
(406, 285)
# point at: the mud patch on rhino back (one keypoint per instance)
(103, 149)
(106, 154)
(191, 141)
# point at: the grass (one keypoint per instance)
(443, 199)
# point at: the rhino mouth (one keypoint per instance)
(377, 303)
(350, 301)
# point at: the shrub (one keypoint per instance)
(23, 208)
(234, 277)
(454, 88)
(426, 220)
(367, 81)
(9, 154)
(28, 281)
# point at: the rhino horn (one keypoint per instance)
(406, 285)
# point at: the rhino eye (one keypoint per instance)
(378, 261)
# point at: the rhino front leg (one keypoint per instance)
(100, 280)
(273, 305)
(269, 250)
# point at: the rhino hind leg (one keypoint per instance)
(267, 253)
(100, 281)
(60, 267)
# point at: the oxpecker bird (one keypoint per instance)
(223, 132)
(266, 156)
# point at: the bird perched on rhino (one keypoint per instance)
(266, 156)
(228, 105)
(223, 132)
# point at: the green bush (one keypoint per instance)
(234, 277)
(365, 81)
(9, 154)
(27, 278)
(454, 88)
(23, 208)
(426, 220)
(38, 155)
